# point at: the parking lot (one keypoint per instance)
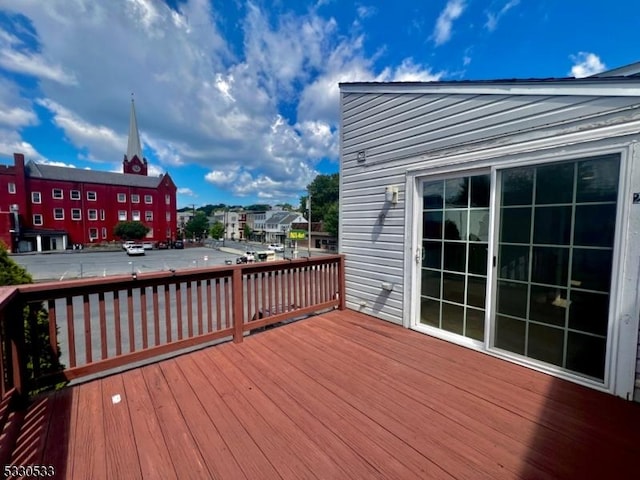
(74, 264)
(84, 264)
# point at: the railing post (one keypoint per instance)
(15, 331)
(342, 289)
(238, 311)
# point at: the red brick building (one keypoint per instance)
(45, 207)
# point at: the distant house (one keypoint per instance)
(278, 224)
(500, 215)
(231, 222)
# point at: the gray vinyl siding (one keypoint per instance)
(398, 131)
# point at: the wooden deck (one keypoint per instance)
(340, 396)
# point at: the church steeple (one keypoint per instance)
(134, 162)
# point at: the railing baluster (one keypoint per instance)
(256, 301)
(103, 326)
(143, 317)
(156, 315)
(53, 328)
(238, 323)
(167, 310)
(71, 332)
(132, 341)
(219, 306)
(179, 309)
(189, 310)
(227, 303)
(249, 297)
(199, 305)
(116, 319)
(87, 328)
(210, 305)
(263, 305)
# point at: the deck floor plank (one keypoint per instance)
(89, 452)
(251, 459)
(340, 395)
(378, 447)
(121, 455)
(155, 460)
(216, 454)
(184, 452)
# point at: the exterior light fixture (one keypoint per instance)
(391, 195)
(362, 156)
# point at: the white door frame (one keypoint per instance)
(624, 309)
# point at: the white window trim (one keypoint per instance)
(148, 199)
(135, 215)
(148, 216)
(54, 214)
(11, 187)
(39, 215)
(78, 211)
(53, 193)
(104, 233)
(79, 195)
(94, 237)
(135, 198)
(122, 197)
(122, 215)
(94, 217)
(33, 195)
(90, 194)
(102, 214)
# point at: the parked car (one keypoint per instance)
(248, 257)
(162, 245)
(147, 245)
(135, 249)
(127, 244)
(179, 244)
(276, 247)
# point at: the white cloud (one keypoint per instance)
(257, 115)
(10, 143)
(494, 17)
(35, 65)
(586, 64)
(186, 192)
(444, 24)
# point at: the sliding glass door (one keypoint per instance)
(554, 246)
(555, 254)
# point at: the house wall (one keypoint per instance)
(393, 132)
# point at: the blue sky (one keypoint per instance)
(238, 100)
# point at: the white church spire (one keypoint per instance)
(133, 146)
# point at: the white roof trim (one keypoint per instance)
(603, 88)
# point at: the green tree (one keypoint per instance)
(197, 226)
(217, 230)
(331, 219)
(130, 230)
(36, 326)
(247, 231)
(324, 190)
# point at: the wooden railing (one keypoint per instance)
(105, 323)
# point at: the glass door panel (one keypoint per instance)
(555, 253)
(455, 236)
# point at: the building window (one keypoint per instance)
(122, 215)
(149, 233)
(92, 196)
(104, 232)
(93, 234)
(122, 198)
(75, 194)
(102, 214)
(167, 199)
(168, 216)
(76, 214)
(92, 214)
(135, 198)
(148, 216)
(37, 219)
(58, 214)
(35, 197)
(57, 193)
(12, 188)
(148, 199)
(135, 215)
